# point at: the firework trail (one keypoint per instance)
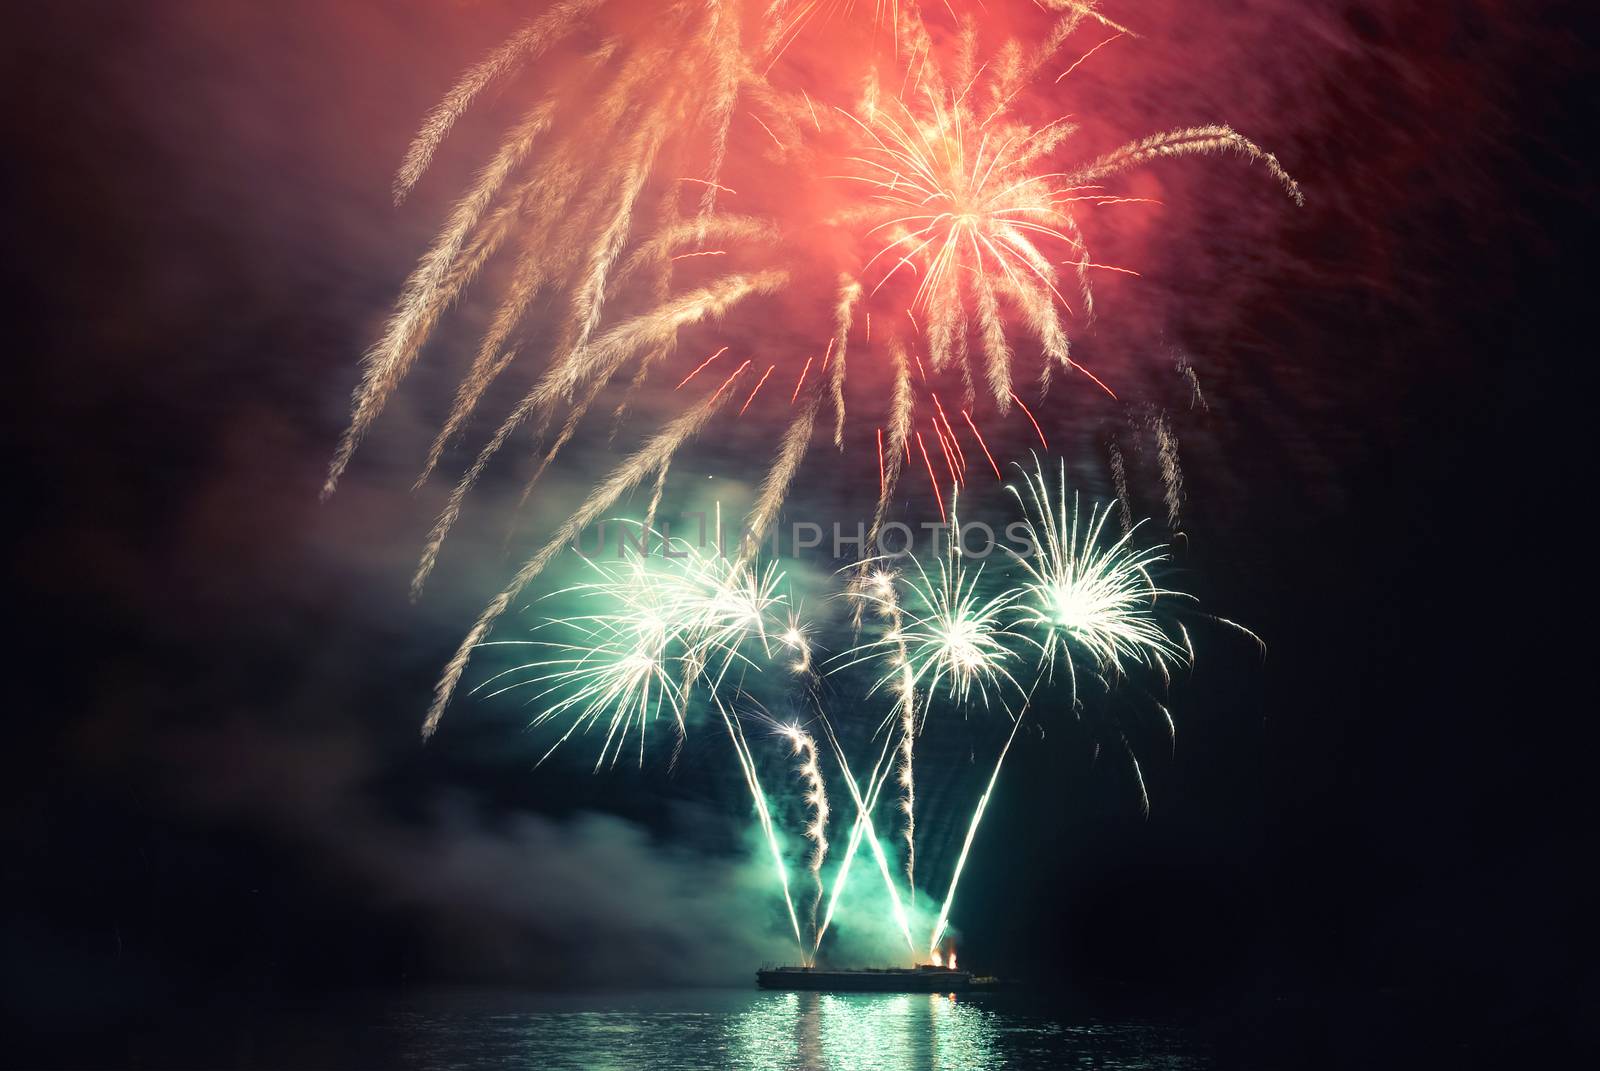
(849, 295)
(1197, 397)
(875, 587)
(1119, 480)
(1171, 469)
(949, 636)
(526, 44)
(747, 766)
(426, 293)
(775, 488)
(816, 797)
(493, 355)
(607, 354)
(907, 774)
(795, 638)
(966, 845)
(863, 829)
(1193, 141)
(901, 409)
(880, 586)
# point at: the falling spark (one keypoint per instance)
(985, 446)
(1196, 396)
(700, 368)
(949, 457)
(1029, 414)
(726, 383)
(1086, 55)
(711, 185)
(801, 381)
(955, 444)
(882, 481)
(902, 403)
(761, 383)
(768, 129)
(932, 479)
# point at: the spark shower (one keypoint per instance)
(907, 217)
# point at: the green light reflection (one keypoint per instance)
(862, 1032)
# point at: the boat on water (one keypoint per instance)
(926, 978)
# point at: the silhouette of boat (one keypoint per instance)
(925, 978)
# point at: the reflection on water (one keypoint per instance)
(825, 1030)
(760, 1031)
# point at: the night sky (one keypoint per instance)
(217, 788)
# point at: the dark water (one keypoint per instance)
(748, 1030)
(757, 1031)
(736, 1030)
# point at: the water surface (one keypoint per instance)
(750, 1030)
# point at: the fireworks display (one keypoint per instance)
(944, 635)
(924, 213)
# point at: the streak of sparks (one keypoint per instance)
(954, 442)
(1031, 420)
(770, 134)
(1086, 55)
(726, 383)
(932, 479)
(1094, 378)
(949, 455)
(816, 798)
(700, 367)
(978, 435)
(719, 187)
(761, 383)
(801, 381)
(882, 480)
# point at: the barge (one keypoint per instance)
(925, 978)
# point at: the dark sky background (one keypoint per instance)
(217, 786)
